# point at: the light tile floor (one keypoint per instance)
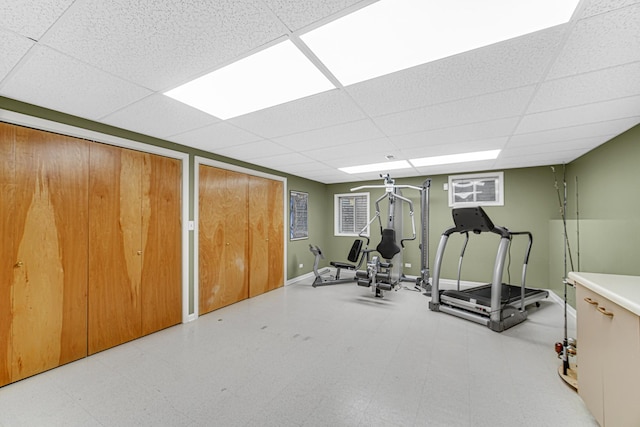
(303, 356)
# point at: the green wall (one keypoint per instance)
(529, 203)
(604, 213)
(607, 221)
(298, 250)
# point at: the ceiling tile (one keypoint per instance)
(459, 168)
(31, 18)
(159, 116)
(605, 40)
(53, 80)
(304, 168)
(574, 116)
(596, 7)
(493, 97)
(299, 14)
(544, 159)
(482, 108)
(599, 129)
(314, 112)
(358, 153)
(456, 134)
(518, 62)
(13, 48)
(330, 136)
(334, 177)
(253, 150)
(161, 44)
(213, 137)
(597, 86)
(588, 143)
(453, 148)
(279, 160)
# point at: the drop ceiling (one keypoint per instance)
(542, 98)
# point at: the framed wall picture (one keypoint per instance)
(298, 215)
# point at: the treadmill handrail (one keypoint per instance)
(528, 251)
(524, 264)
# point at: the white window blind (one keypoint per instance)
(351, 213)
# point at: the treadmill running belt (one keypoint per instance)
(509, 292)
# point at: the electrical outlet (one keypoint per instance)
(407, 264)
(301, 265)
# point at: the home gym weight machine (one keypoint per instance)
(384, 272)
(497, 305)
(357, 255)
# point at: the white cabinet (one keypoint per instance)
(608, 355)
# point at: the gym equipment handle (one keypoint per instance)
(605, 312)
(590, 301)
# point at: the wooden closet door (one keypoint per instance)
(49, 324)
(161, 298)
(7, 255)
(223, 265)
(276, 234)
(115, 246)
(266, 240)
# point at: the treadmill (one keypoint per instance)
(497, 305)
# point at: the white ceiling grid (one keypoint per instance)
(543, 98)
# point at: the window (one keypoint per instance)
(485, 189)
(351, 214)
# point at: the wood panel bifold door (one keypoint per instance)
(266, 238)
(90, 250)
(134, 235)
(241, 237)
(7, 256)
(223, 269)
(44, 180)
(161, 297)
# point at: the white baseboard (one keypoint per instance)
(309, 277)
(570, 310)
(451, 284)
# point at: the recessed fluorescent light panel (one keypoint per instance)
(391, 35)
(455, 158)
(377, 167)
(278, 74)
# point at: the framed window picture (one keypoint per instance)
(298, 215)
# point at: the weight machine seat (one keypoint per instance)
(354, 254)
(387, 246)
(346, 266)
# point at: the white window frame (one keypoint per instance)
(337, 213)
(474, 180)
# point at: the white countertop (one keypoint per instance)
(622, 290)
